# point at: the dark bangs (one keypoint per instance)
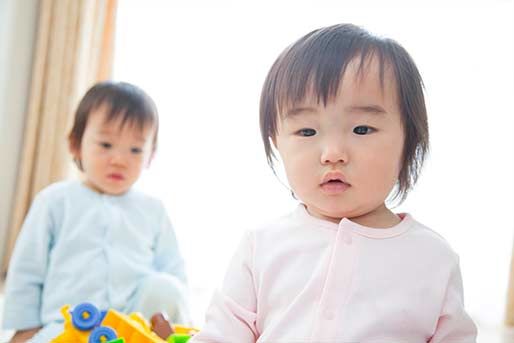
(128, 103)
(121, 100)
(315, 65)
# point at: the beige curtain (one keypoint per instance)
(74, 49)
(509, 318)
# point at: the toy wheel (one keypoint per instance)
(85, 316)
(102, 334)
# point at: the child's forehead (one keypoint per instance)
(108, 123)
(363, 80)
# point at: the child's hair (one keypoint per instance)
(121, 100)
(315, 64)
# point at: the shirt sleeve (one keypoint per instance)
(231, 316)
(28, 267)
(168, 258)
(454, 324)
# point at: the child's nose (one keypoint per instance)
(334, 151)
(118, 159)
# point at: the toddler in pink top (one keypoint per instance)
(345, 112)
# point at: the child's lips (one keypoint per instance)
(334, 187)
(115, 176)
(334, 182)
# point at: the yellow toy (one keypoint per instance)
(70, 334)
(133, 328)
(85, 324)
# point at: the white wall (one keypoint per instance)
(17, 35)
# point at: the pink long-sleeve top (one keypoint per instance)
(303, 279)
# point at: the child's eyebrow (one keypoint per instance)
(104, 132)
(138, 138)
(295, 111)
(373, 109)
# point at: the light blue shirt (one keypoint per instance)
(78, 245)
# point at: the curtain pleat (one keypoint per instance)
(74, 50)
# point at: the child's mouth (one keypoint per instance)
(116, 177)
(334, 186)
(334, 182)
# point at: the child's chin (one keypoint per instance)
(115, 190)
(335, 212)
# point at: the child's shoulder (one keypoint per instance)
(53, 198)
(145, 200)
(278, 227)
(431, 239)
(57, 189)
(75, 190)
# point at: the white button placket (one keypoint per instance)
(337, 286)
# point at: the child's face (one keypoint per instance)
(113, 156)
(356, 141)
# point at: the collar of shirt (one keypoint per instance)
(346, 224)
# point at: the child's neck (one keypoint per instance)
(381, 217)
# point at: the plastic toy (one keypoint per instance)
(133, 328)
(182, 334)
(86, 324)
(172, 334)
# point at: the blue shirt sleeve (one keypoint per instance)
(28, 267)
(168, 258)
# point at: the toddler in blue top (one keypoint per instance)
(98, 240)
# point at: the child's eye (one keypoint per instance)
(362, 130)
(136, 150)
(306, 132)
(105, 145)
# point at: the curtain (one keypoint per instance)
(74, 49)
(509, 318)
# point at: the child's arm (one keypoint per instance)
(454, 323)
(27, 269)
(23, 335)
(232, 314)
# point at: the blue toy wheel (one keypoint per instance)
(85, 316)
(102, 334)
